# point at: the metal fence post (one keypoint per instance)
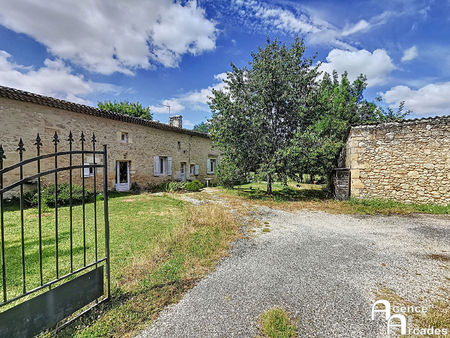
(2, 156)
(21, 149)
(105, 203)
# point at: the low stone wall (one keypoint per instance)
(407, 161)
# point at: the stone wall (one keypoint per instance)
(407, 161)
(22, 119)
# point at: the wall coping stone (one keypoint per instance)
(415, 121)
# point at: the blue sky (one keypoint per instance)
(161, 52)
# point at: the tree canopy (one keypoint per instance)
(128, 108)
(280, 117)
(202, 127)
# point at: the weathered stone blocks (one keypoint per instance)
(407, 161)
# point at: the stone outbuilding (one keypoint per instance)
(406, 161)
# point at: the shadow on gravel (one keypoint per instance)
(285, 194)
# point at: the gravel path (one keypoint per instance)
(322, 268)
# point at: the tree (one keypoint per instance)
(264, 105)
(279, 118)
(202, 127)
(338, 104)
(389, 115)
(128, 108)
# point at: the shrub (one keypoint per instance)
(48, 195)
(194, 186)
(135, 188)
(174, 186)
(156, 187)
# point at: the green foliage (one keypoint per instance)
(264, 105)
(389, 114)
(202, 127)
(280, 119)
(156, 187)
(229, 174)
(135, 188)
(174, 186)
(48, 195)
(194, 186)
(128, 108)
(371, 206)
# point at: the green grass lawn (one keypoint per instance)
(159, 247)
(313, 196)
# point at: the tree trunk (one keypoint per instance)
(269, 184)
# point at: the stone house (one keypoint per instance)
(407, 161)
(139, 150)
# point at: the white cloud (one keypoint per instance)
(285, 20)
(409, 54)
(376, 65)
(361, 25)
(194, 100)
(113, 36)
(305, 21)
(187, 123)
(163, 108)
(431, 99)
(53, 79)
(313, 22)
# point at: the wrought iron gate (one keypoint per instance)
(46, 289)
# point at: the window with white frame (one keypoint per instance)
(211, 165)
(87, 171)
(124, 137)
(162, 166)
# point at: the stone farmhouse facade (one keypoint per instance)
(139, 150)
(407, 161)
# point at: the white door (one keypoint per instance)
(123, 176)
(183, 172)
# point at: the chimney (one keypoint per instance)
(176, 121)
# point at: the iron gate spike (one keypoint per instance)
(38, 142)
(55, 138)
(2, 153)
(21, 148)
(70, 139)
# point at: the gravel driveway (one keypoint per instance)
(322, 268)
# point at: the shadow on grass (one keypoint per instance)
(285, 194)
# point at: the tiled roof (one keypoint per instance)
(20, 95)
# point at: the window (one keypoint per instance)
(162, 165)
(211, 165)
(192, 170)
(88, 171)
(124, 138)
